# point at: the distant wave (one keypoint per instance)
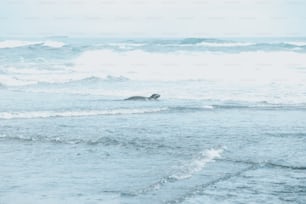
(248, 46)
(211, 42)
(254, 106)
(49, 114)
(192, 108)
(161, 45)
(94, 79)
(48, 77)
(296, 43)
(19, 43)
(226, 44)
(235, 44)
(200, 40)
(262, 106)
(126, 45)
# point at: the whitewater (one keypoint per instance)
(229, 126)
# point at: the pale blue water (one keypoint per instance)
(230, 126)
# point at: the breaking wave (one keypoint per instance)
(20, 43)
(188, 169)
(161, 45)
(48, 114)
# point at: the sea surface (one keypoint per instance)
(229, 127)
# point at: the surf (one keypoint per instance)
(51, 114)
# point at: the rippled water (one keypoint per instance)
(222, 131)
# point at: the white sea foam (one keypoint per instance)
(244, 67)
(197, 164)
(20, 43)
(53, 44)
(48, 114)
(247, 67)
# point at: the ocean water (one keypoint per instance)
(230, 126)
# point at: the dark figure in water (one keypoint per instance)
(142, 98)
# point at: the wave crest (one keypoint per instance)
(49, 114)
(197, 164)
(20, 43)
(186, 170)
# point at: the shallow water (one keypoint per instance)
(70, 138)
